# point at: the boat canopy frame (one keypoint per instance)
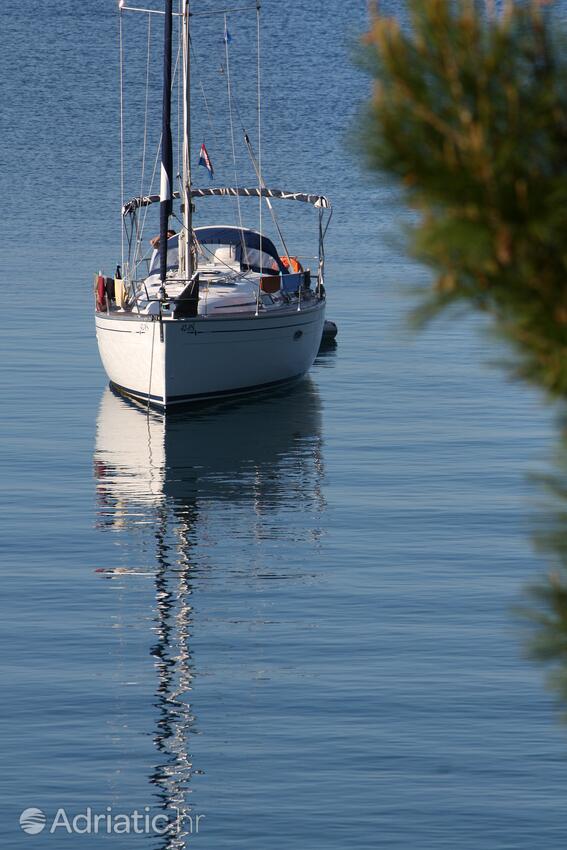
(320, 202)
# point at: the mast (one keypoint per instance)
(166, 146)
(187, 235)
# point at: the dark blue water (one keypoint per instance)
(289, 616)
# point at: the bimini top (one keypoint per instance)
(319, 201)
(253, 250)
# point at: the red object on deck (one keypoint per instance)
(100, 292)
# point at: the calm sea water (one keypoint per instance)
(289, 616)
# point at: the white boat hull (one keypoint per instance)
(179, 361)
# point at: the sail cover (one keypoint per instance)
(319, 201)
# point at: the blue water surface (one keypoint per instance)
(289, 615)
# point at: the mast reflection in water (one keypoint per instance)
(168, 487)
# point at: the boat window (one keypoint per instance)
(257, 261)
(172, 255)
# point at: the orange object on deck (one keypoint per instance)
(292, 263)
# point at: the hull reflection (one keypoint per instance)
(215, 455)
(165, 485)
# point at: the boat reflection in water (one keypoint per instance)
(168, 487)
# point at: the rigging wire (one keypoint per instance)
(228, 86)
(121, 62)
(158, 150)
(258, 68)
(256, 165)
(179, 119)
(156, 161)
(139, 234)
(196, 73)
(257, 162)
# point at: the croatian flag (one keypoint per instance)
(205, 160)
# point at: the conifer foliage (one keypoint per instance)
(469, 113)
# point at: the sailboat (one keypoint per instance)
(214, 310)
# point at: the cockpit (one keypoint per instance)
(226, 248)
